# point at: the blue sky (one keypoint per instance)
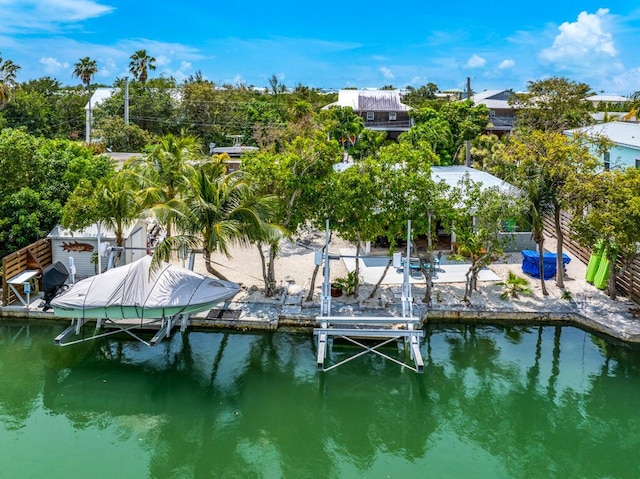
(332, 44)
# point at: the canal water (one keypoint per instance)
(516, 402)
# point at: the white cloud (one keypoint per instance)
(623, 83)
(71, 10)
(584, 39)
(387, 73)
(52, 65)
(27, 16)
(162, 60)
(107, 68)
(506, 64)
(476, 61)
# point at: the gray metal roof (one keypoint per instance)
(623, 133)
(370, 100)
(493, 99)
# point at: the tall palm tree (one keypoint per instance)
(85, 69)
(140, 64)
(8, 72)
(217, 211)
(164, 174)
(538, 204)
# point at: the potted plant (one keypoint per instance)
(346, 285)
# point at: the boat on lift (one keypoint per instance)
(141, 291)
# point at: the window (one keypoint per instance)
(638, 163)
(392, 116)
(607, 160)
(370, 116)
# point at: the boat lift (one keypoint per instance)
(358, 329)
(165, 326)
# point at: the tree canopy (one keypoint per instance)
(553, 104)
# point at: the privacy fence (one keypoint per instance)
(36, 256)
(629, 283)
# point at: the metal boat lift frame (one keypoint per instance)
(355, 329)
(166, 325)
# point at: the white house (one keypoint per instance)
(81, 246)
(597, 100)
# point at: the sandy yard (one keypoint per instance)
(295, 266)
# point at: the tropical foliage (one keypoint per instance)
(218, 210)
(140, 65)
(514, 286)
(476, 221)
(8, 73)
(38, 175)
(608, 208)
(546, 166)
(553, 104)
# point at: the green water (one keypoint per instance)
(521, 402)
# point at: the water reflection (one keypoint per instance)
(492, 402)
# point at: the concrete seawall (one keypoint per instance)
(616, 323)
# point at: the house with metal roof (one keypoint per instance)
(501, 113)
(381, 110)
(605, 99)
(626, 138)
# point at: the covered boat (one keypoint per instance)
(138, 296)
(138, 291)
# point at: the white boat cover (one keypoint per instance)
(137, 291)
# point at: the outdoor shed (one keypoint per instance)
(82, 246)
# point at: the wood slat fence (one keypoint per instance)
(629, 284)
(35, 256)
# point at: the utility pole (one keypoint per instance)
(467, 157)
(126, 100)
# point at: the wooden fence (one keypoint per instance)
(35, 256)
(629, 283)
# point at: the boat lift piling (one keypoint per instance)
(357, 329)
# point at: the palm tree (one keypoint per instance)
(219, 210)
(343, 124)
(117, 203)
(164, 175)
(538, 205)
(514, 286)
(8, 71)
(85, 69)
(140, 64)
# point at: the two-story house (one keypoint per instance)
(501, 113)
(381, 110)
